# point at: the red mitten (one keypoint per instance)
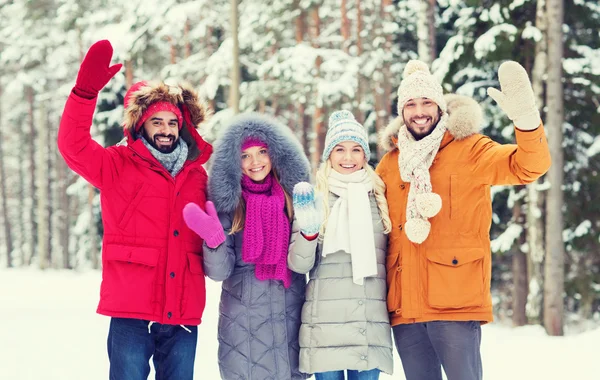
(94, 72)
(205, 224)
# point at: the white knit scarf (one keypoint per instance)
(350, 224)
(414, 160)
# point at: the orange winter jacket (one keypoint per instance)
(447, 277)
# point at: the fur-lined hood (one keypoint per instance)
(194, 111)
(464, 119)
(286, 153)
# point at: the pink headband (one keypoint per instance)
(158, 107)
(253, 141)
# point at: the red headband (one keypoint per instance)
(158, 107)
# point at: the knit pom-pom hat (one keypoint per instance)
(418, 82)
(344, 127)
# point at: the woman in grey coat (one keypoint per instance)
(246, 233)
(345, 323)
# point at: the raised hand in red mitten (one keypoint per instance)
(95, 72)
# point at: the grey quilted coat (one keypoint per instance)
(258, 320)
(344, 325)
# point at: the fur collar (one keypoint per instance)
(286, 153)
(464, 119)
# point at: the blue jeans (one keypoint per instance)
(372, 374)
(426, 348)
(131, 345)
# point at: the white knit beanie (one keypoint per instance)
(418, 82)
(344, 127)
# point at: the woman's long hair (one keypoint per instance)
(239, 216)
(322, 188)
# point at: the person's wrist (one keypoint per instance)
(528, 122)
(216, 238)
(84, 93)
(309, 237)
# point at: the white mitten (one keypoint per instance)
(516, 98)
(306, 210)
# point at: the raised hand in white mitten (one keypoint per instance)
(305, 209)
(516, 98)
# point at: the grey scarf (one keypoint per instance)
(173, 161)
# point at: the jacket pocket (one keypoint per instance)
(128, 278)
(133, 205)
(394, 283)
(194, 288)
(455, 278)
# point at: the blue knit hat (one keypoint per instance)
(344, 127)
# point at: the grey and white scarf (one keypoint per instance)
(173, 161)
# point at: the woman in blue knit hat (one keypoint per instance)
(342, 243)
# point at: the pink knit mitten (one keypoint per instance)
(205, 224)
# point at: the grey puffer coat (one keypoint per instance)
(258, 320)
(344, 325)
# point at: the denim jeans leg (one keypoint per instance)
(332, 375)
(175, 352)
(458, 346)
(130, 347)
(419, 359)
(372, 374)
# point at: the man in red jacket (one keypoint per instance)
(152, 277)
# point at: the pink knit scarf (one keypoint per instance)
(266, 230)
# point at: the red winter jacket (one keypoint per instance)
(151, 261)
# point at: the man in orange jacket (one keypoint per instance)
(438, 174)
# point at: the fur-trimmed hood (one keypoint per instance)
(144, 94)
(286, 153)
(194, 111)
(464, 119)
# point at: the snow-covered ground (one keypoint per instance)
(49, 331)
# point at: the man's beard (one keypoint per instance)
(421, 135)
(161, 148)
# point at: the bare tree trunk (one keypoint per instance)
(426, 31)
(42, 189)
(234, 94)
(358, 112)
(303, 118)
(345, 31)
(535, 198)
(319, 115)
(128, 73)
(554, 268)
(383, 88)
(32, 176)
(519, 301)
(519, 270)
(23, 235)
(62, 217)
(51, 136)
(186, 38)
(4, 194)
(172, 50)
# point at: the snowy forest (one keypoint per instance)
(300, 60)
